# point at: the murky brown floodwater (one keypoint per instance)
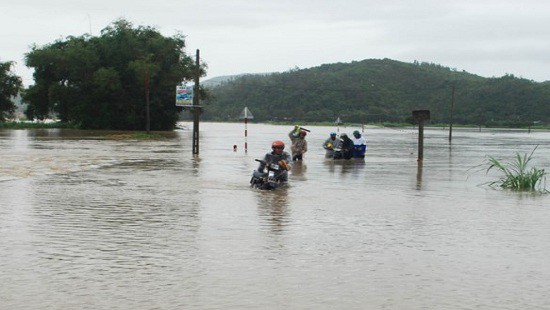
(102, 224)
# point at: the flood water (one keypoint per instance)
(89, 223)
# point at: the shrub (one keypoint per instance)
(517, 175)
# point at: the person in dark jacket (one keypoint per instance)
(347, 146)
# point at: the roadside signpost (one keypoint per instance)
(184, 95)
(188, 97)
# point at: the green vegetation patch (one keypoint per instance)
(517, 175)
(135, 136)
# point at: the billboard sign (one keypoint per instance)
(184, 95)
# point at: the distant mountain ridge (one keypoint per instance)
(218, 80)
(374, 90)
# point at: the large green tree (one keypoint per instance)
(10, 86)
(100, 82)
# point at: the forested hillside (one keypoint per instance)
(381, 90)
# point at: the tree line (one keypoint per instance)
(381, 90)
(101, 82)
(10, 86)
(105, 81)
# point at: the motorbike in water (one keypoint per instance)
(273, 177)
(338, 154)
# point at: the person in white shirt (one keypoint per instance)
(360, 145)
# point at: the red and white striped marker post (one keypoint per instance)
(245, 134)
(246, 114)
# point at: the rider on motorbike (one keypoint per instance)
(277, 156)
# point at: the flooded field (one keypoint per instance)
(93, 223)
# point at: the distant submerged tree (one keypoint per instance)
(10, 86)
(99, 82)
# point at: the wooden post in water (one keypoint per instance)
(421, 116)
(196, 108)
(451, 117)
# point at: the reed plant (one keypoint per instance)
(517, 175)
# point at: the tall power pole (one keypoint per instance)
(196, 109)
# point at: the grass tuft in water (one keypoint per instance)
(136, 136)
(517, 175)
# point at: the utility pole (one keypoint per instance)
(451, 117)
(196, 108)
(148, 113)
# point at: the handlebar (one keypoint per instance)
(269, 166)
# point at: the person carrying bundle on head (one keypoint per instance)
(299, 144)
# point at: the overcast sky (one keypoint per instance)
(484, 37)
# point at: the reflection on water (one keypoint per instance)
(273, 207)
(419, 175)
(345, 166)
(88, 222)
(298, 171)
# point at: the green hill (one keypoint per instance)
(375, 90)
